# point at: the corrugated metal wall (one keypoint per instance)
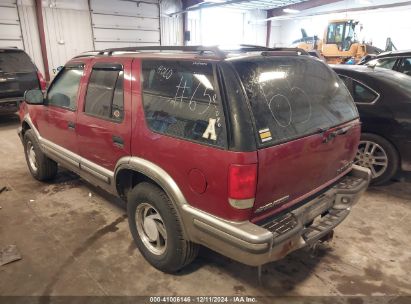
(118, 23)
(31, 39)
(10, 25)
(68, 31)
(171, 27)
(72, 28)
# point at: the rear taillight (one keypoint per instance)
(242, 183)
(43, 83)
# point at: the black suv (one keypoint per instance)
(17, 74)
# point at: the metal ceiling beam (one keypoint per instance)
(336, 11)
(299, 6)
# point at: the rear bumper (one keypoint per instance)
(255, 245)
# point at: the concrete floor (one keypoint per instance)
(74, 240)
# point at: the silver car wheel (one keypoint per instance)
(371, 155)
(31, 156)
(151, 228)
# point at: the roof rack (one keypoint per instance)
(289, 49)
(200, 49)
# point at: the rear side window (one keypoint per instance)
(180, 99)
(104, 96)
(360, 92)
(63, 90)
(292, 97)
(15, 62)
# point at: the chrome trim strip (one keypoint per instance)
(96, 170)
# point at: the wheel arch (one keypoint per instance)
(133, 170)
(365, 132)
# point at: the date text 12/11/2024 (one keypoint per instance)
(203, 299)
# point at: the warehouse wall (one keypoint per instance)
(67, 29)
(377, 24)
(171, 27)
(118, 23)
(219, 26)
(72, 26)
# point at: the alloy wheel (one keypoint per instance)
(371, 155)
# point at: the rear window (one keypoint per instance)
(15, 62)
(292, 97)
(180, 99)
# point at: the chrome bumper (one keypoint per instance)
(257, 244)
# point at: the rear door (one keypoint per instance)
(104, 120)
(17, 74)
(306, 125)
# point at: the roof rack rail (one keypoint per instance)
(200, 49)
(289, 49)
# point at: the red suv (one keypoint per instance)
(247, 152)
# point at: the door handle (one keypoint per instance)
(118, 141)
(71, 125)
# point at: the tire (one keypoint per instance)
(41, 167)
(174, 252)
(371, 153)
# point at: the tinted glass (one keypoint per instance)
(15, 62)
(406, 66)
(63, 91)
(387, 63)
(104, 96)
(180, 99)
(363, 94)
(293, 97)
(360, 92)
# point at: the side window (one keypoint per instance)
(359, 92)
(180, 100)
(104, 97)
(387, 63)
(63, 91)
(406, 66)
(362, 94)
(348, 83)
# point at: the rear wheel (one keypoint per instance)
(41, 167)
(156, 229)
(379, 155)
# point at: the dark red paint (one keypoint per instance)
(297, 168)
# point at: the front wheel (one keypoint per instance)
(379, 155)
(156, 229)
(41, 167)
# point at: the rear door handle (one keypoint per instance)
(118, 141)
(71, 125)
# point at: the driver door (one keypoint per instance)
(60, 111)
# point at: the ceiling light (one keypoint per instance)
(290, 11)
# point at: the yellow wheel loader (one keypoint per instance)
(339, 44)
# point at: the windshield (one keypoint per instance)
(15, 62)
(292, 97)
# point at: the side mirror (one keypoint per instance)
(34, 97)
